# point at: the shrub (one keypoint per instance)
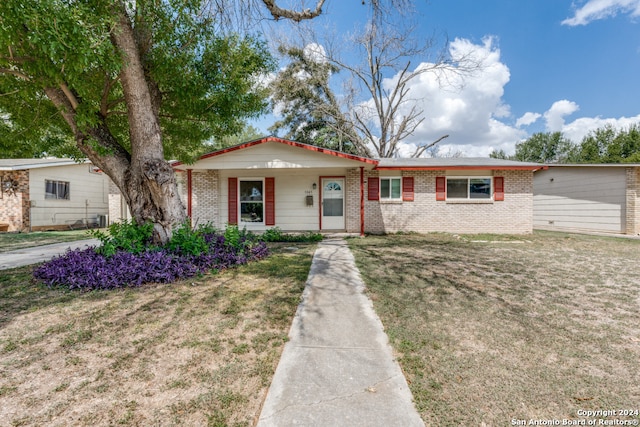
(192, 252)
(189, 241)
(124, 236)
(275, 234)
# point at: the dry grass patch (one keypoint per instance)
(489, 329)
(199, 352)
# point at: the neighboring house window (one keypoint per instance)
(390, 188)
(56, 189)
(251, 201)
(469, 188)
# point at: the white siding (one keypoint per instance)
(291, 189)
(591, 199)
(274, 155)
(88, 196)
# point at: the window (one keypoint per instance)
(469, 188)
(56, 189)
(251, 201)
(390, 188)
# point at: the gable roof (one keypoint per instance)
(23, 164)
(458, 163)
(267, 139)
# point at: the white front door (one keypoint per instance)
(333, 204)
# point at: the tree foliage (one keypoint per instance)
(603, 145)
(126, 84)
(311, 113)
(375, 111)
(609, 145)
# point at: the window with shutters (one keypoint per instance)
(391, 188)
(251, 197)
(469, 188)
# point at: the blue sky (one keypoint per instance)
(551, 65)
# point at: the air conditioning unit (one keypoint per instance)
(103, 221)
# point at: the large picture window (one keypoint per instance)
(56, 189)
(251, 201)
(469, 188)
(390, 188)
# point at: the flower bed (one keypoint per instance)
(132, 260)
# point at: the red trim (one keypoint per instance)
(373, 190)
(407, 188)
(189, 195)
(498, 188)
(441, 188)
(233, 201)
(459, 168)
(362, 200)
(269, 201)
(286, 142)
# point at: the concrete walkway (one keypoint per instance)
(28, 256)
(338, 368)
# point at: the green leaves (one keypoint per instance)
(206, 84)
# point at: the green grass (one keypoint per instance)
(197, 352)
(488, 331)
(15, 241)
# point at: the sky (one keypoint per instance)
(548, 65)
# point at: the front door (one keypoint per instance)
(333, 204)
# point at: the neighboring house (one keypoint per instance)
(48, 194)
(294, 186)
(588, 197)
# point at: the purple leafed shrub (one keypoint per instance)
(88, 269)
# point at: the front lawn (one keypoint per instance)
(197, 352)
(493, 330)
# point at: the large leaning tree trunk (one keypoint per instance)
(144, 177)
(128, 84)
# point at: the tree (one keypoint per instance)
(128, 83)
(311, 112)
(549, 147)
(382, 74)
(609, 145)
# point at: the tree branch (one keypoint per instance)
(277, 12)
(15, 73)
(422, 148)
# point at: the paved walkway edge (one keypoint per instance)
(338, 367)
(36, 254)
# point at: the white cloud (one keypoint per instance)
(469, 113)
(316, 53)
(579, 128)
(554, 116)
(593, 10)
(528, 119)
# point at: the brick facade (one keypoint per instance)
(632, 211)
(425, 214)
(14, 206)
(204, 202)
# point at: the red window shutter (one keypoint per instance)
(233, 201)
(374, 188)
(407, 188)
(441, 188)
(498, 188)
(270, 201)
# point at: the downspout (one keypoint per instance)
(362, 201)
(189, 196)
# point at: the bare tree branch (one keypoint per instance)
(297, 16)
